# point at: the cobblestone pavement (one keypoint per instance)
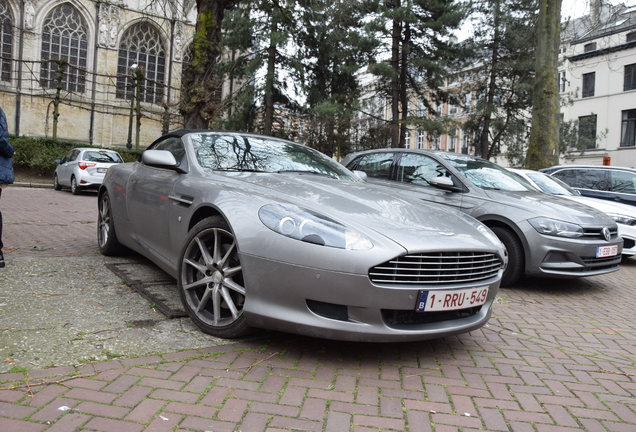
(557, 356)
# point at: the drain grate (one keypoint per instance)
(154, 284)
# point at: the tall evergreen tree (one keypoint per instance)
(418, 44)
(258, 34)
(504, 43)
(332, 48)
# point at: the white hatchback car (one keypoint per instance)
(623, 214)
(84, 168)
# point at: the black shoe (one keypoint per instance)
(1, 260)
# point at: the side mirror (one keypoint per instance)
(58, 161)
(445, 183)
(160, 159)
(361, 175)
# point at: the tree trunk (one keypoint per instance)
(490, 98)
(404, 103)
(395, 80)
(544, 135)
(200, 80)
(270, 78)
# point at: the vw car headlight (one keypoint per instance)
(557, 228)
(622, 219)
(311, 227)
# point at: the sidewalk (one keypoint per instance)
(557, 356)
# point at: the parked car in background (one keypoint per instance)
(544, 235)
(624, 215)
(264, 233)
(84, 168)
(598, 181)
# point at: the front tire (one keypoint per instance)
(106, 237)
(75, 189)
(56, 183)
(516, 256)
(210, 279)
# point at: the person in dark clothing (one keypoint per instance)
(6, 167)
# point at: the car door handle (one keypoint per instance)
(182, 200)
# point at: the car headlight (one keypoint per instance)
(311, 227)
(622, 219)
(553, 227)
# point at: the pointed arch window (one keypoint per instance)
(6, 41)
(141, 46)
(64, 50)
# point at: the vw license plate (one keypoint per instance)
(606, 251)
(443, 300)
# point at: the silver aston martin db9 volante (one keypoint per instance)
(264, 233)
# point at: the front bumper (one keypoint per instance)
(628, 233)
(343, 306)
(567, 258)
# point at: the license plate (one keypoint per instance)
(606, 251)
(443, 300)
(102, 170)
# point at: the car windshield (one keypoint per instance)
(488, 175)
(103, 156)
(551, 185)
(233, 152)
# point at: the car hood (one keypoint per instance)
(369, 207)
(605, 206)
(536, 204)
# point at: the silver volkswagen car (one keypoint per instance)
(545, 235)
(264, 233)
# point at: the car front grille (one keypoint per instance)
(597, 233)
(393, 318)
(437, 268)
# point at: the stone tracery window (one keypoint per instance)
(6, 41)
(64, 38)
(141, 45)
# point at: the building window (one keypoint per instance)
(468, 100)
(588, 84)
(6, 41)
(465, 141)
(629, 82)
(453, 141)
(141, 45)
(64, 44)
(301, 128)
(407, 139)
(561, 81)
(421, 139)
(589, 47)
(631, 37)
(421, 107)
(587, 131)
(628, 128)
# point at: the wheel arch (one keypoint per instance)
(497, 221)
(205, 212)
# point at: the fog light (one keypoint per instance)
(556, 257)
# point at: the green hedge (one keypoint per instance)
(39, 154)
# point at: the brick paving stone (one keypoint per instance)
(101, 410)
(145, 411)
(15, 411)
(110, 425)
(54, 410)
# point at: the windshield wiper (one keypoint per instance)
(307, 172)
(240, 170)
